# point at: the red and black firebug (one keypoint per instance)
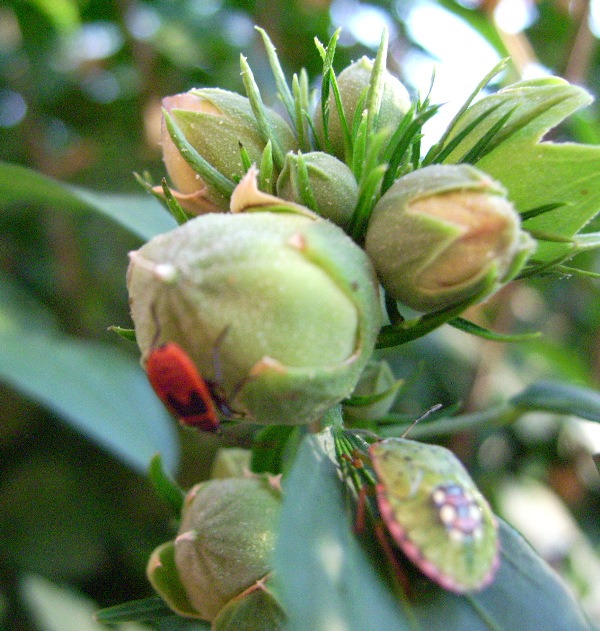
(180, 386)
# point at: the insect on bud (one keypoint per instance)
(441, 234)
(276, 306)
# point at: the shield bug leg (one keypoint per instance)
(398, 575)
(391, 555)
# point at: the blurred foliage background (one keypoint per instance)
(81, 83)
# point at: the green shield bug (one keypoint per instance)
(435, 514)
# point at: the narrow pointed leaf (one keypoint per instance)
(475, 329)
(560, 398)
(144, 610)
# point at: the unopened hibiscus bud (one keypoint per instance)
(277, 306)
(216, 123)
(224, 545)
(442, 234)
(230, 462)
(330, 184)
(353, 83)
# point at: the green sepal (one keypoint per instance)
(256, 609)
(480, 331)
(315, 391)
(329, 82)
(164, 577)
(408, 330)
(173, 206)
(165, 486)
(208, 173)
(266, 172)
(441, 149)
(126, 334)
(376, 84)
(282, 86)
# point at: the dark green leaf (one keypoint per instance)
(165, 486)
(560, 398)
(146, 609)
(326, 578)
(526, 595)
(269, 447)
(139, 214)
(96, 388)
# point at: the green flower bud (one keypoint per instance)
(443, 233)
(230, 462)
(223, 547)
(353, 83)
(331, 185)
(378, 384)
(215, 122)
(280, 308)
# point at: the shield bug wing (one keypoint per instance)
(435, 513)
(177, 382)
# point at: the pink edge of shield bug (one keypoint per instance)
(435, 514)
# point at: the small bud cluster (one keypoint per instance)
(273, 284)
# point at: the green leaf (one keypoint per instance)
(560, 398)
(146, 609)
(326, 579)
(269, 447)
(538, 174)
(283, 89)
(141, 215)
(526, 595)
(165, 486)
(255, 610)
(258, 109)
(95, 388)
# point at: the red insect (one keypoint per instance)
(181, 387)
